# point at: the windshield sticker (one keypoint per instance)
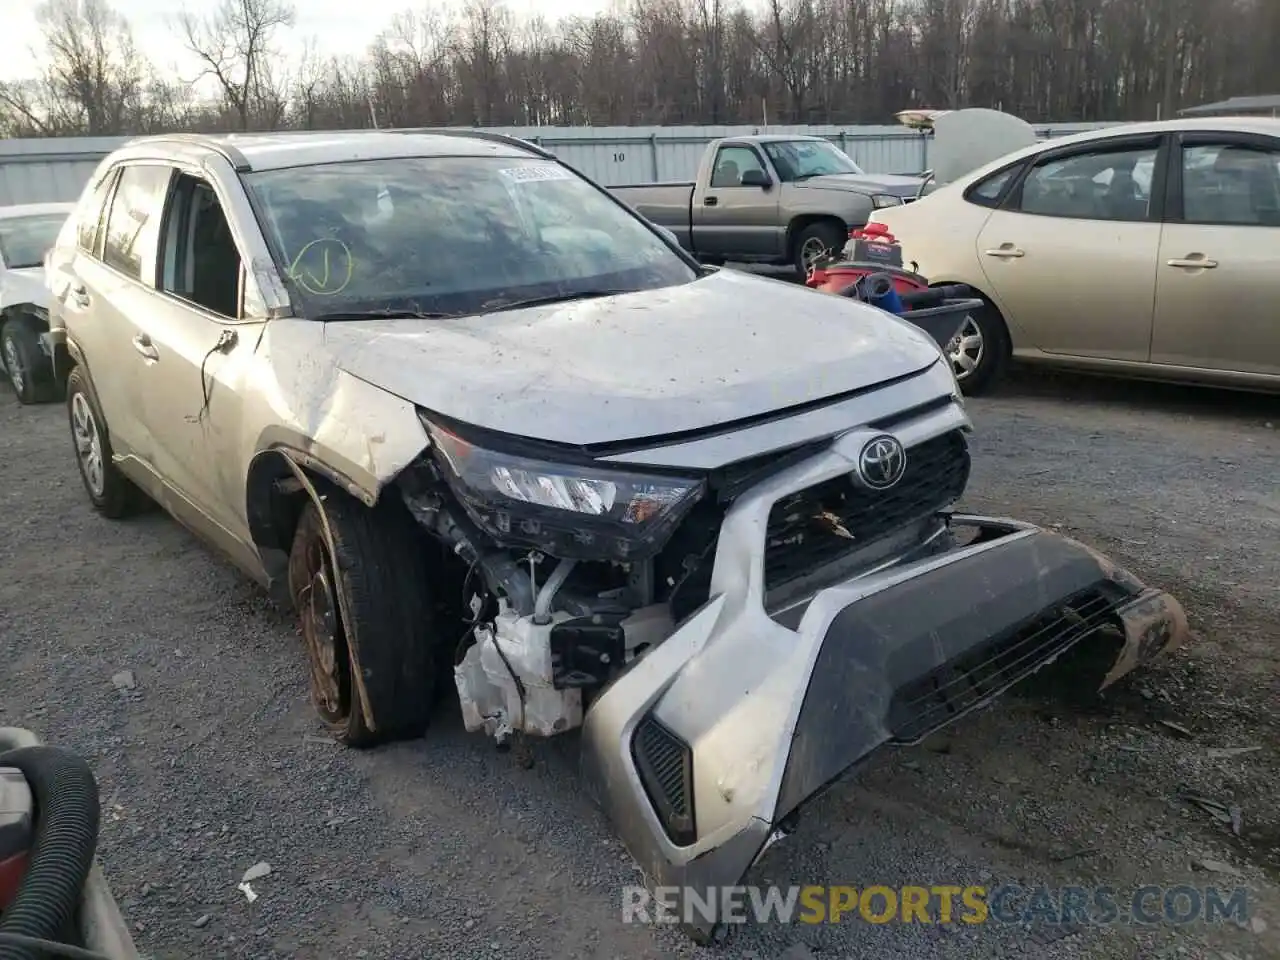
(534, 172)
(323, 268)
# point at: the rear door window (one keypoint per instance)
(1233, 184)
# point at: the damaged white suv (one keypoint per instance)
(485, 427)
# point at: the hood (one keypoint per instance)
(25, 285)
(638, 366)
(870, 183)
(965, 140)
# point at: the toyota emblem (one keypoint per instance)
(882, 462)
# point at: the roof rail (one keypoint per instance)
(489, 135)
(229, 153)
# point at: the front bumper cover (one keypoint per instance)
(740, 719)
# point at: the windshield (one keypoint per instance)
(25, 240)
(801, 159)
(452, 235)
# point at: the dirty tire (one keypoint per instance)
(376, 621)
(112, 493)
(832, 237)
(21, 344)
(982, 368)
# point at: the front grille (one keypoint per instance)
(823, 523)
(940, 696)
(665, 765)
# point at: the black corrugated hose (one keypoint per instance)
(66, 838)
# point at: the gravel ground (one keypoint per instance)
(212, 762)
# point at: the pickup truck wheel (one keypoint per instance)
(365, 615)
(816, 241)
(29, 372)
(979, 351)
(112, 493)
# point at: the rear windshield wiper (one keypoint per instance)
(499, 304)
(380, 315)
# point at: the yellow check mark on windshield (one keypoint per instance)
(326, 284)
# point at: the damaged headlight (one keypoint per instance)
(568, 511)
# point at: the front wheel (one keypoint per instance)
(980, 351)
(362, 597)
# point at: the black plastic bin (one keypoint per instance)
(944, 321)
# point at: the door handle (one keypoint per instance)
(1005, 252)
(1195, 261)
(80, 295)
(709, 201)
(142, 343)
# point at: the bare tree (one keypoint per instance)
(658, 62)
(93, 80)
(235, 44)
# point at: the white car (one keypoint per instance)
(27, 231)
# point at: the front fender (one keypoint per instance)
(356, 434)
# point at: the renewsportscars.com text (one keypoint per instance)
(940, 903)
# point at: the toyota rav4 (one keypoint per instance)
(486, 429)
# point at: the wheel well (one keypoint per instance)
(274, 501)
(801, 223)
(28, 313)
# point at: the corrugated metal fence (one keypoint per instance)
(36, 171)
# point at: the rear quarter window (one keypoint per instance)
(87, 219)
(987, 192)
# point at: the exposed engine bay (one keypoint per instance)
(574, 571)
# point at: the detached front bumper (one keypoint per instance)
(708, 743)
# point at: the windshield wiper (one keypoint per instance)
(495, 305)
(380, 315)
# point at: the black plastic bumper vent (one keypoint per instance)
(665, 764)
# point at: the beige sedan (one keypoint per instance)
(1144, 250)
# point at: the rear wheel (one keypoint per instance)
(30, 372)
(112, 493)
(816, 242)
(979, 353)
(366, 618)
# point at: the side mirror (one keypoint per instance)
(756, 178)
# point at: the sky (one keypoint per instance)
(340, 27)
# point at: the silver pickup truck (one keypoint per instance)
(769, 199)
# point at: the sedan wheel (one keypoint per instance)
(26, 366)
(980, 351)
(966, 350)
(13, 364)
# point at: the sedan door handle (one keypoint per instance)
(709, 201)
(1198, 263)
(80, 295)
(1005, 252)
(142, 343)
